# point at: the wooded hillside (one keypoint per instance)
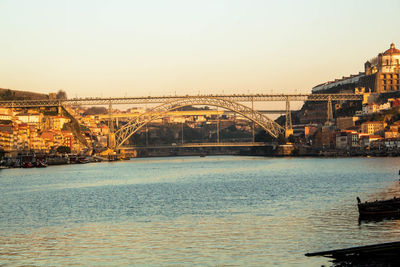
(8, 94)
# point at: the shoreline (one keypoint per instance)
(98, 159)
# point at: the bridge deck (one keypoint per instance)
(163, 99)
(187, 145)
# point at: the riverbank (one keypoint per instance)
(62, 160)
(44, 160)
(287, 150)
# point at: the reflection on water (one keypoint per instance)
(186, 211)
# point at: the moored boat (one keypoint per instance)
(383, 254)
(41, 164)
(82, 160)
(27, 164)
(381, 208)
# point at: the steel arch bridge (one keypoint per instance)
(160, 111)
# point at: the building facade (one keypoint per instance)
(381, 74)
(384, 71)
(373, 127)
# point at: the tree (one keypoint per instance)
(61, 94)
(7, 95)
(95, 111)
(63, 149)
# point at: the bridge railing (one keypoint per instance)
(162, 99)
(188, 145)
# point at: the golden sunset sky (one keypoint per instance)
(138, 48)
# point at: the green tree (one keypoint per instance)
(7, 95)
(61, 94)
(95, 111)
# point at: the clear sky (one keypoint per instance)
(162, 47)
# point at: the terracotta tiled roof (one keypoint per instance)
(392, 50)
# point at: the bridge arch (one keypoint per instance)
(158, 112)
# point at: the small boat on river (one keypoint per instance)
(82, 160)
(27, 164)
(41, 164)
(383, 254)
(379, 209)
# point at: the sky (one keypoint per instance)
(99, 48)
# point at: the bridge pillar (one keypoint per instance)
(111, 134)
(110, 119)
(111, 140)
(59, 108)
(329, 111)
(288, 123)
(253, 125)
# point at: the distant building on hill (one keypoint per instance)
(383, 71)
(381, 74)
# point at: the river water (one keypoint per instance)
(220, 210)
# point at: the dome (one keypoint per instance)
(392, 50)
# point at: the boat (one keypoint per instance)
(379, 208)
(40, 164)
(27, 164)
(383, 254)
(82, 160)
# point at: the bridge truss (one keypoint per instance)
(170, 103)
(160, 111)
(164, 99)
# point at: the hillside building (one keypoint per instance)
(344, 123)
(373, 127)
(381, 74)
(383, 71)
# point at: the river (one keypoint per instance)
(217, 210)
